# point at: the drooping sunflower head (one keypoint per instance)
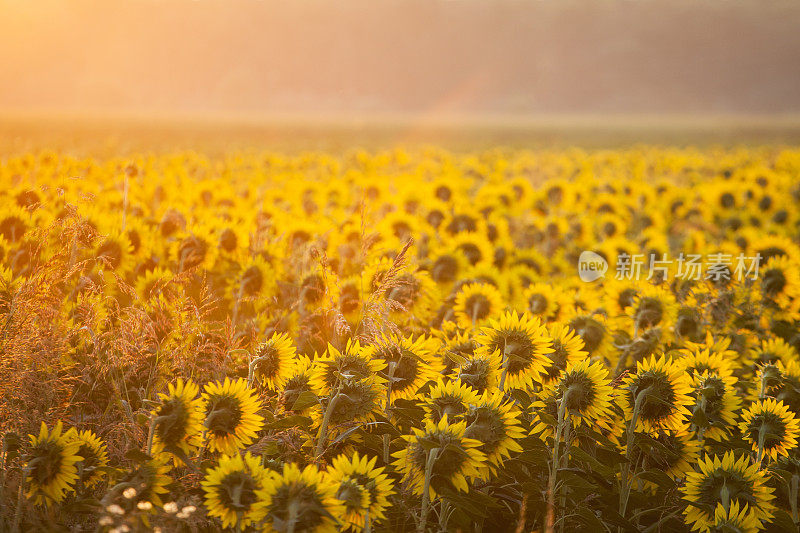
(523, 344)
(770, 427)
(592, 328)
(773, 350)
(567, 349)
(662, 390)
(494, 423)
(178, 420)
(725, 480)
(361, 486)
(273, 359)
(230, 489)
(307, 497)
(715, 405)
(698, 360)
(231, 415)
(51, 464)
(94, 457)
(476, 303)
(779, 283)
(455, 458)
(354, 363)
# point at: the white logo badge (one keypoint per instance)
(591, 266)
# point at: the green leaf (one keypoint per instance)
(137, 456)
(293, 421)
(305, 400)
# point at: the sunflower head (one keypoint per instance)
(456, 458)
(450, 399)
(230, 489)
(475, 303)
(725, 480)
(51, 464)
(495, 424)
(305, 497)
(231, 415)
(177, 421)
(94, 456)
(361, 487)
(770, 427)
(272, 360)
(662, 391)
(523, 344)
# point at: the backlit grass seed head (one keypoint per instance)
(231, 415)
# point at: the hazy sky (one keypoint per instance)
(415, 57)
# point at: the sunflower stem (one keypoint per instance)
(293, 514)
(150, 434)
(20, 501)
(625, 482)
(793, 498)
(323, 427)
(388, 410)
(552, 495)
(426, 488)
(762, 435)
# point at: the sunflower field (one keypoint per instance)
(549, 340)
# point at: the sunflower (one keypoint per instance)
(456, 345)
(51, 464)
(662, 390)
(544, 300)
(779, 285)
(231, 415)
(726, 480)
(773, 350)
(653, 306)
(593, 329)
(771, 428)
(495, 423)
(697, 360)
(255, 279)
(523, 343)
(715, 406)
(114, 252)
(454, 458)
(734, 519)
(273, 360)
(230, 489)
(567, 349)
(296, 383)
(300, 501)
(149, 480)
(410, 364)
(586, 389)
(178, 420)
(362, 488)
(94, 457)
(354, 401)
(450, 399)
(475, 303)
(481, 371)
(354, 363)
(671, 453)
